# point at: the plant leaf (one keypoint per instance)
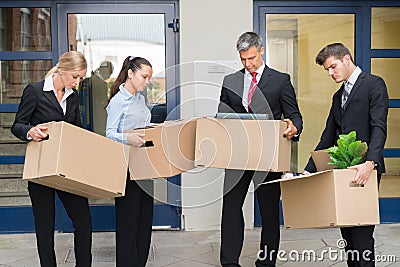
(348, 152)
(356, 161)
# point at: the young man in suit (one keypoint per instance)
(361, 105)
(255, 89)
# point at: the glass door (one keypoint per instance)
(293, 36)
(295, 32)
(106, 34)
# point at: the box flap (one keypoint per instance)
(321, 159)
(180, 139)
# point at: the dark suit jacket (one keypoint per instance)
(38, 106)
(274, 95)
(365, 112)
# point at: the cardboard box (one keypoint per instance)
(328, 198)
(242, 144)
(169, 150)
(77, 161)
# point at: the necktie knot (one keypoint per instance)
(254, 75)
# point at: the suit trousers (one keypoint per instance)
(134, 218)
(77, 208)
(236, 184)
(360, 243)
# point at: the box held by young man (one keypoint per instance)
(329, 198)
(242, 144)
(77, 161)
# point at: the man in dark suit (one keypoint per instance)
(361, 105)
(274, 95)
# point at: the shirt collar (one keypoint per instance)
(354, 76)
(259, 71)
(126, 94)
(49, 86)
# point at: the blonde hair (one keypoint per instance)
(69, 61)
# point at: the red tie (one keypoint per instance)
(252, 88)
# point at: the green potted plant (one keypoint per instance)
(348, 152)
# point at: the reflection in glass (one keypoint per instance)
(113, 37)
(388, 69)
(16, 74)
(390, 182)
(106, 40)
(25, 29)
(385, 28)
(393, 125)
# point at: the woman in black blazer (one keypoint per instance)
(55, 99)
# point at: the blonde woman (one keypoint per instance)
(55, 99)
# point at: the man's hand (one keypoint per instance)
(364, 171)
(37, 134)
(136, 139)
(290, 131)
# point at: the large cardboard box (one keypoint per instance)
(169, 150)
(242, 144)
(77, 161)
(328, 198)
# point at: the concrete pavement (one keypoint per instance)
(198, 249)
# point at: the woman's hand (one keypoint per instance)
(36, 133)
(136, 139)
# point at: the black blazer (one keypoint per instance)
(274, 95)
(365, 112)
(38, 106)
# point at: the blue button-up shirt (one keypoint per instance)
(124, 112)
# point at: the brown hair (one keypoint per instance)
(337, 50)
(69, 61)
(130, 63)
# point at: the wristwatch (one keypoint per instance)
(374, 163)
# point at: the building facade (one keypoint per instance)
(190, 53)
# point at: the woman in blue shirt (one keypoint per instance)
(126, 110)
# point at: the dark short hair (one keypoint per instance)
(337, 50)
(248, 40)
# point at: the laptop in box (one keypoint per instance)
(241, 116)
